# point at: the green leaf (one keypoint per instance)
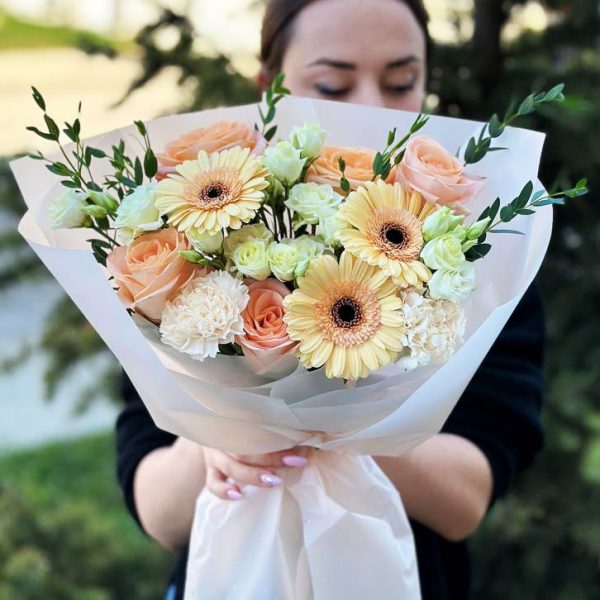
(138, 172)
(470, 151)
(555, 93)
(506, 231)
(341, 164)
(523, 197)
(537, 195)
(59, 168)
(278, 80)
(526, 107)
(378, 164)
(507, 213)
(526, 211)
(495, 127)
(96, 152)
(391, 137)
(39, 99)
(270, 114)
(345, 185)
(141, 127)
(547, 201)
(477, 252)
(494, 209)
(270, 133)
(150, 164)
(53, 129)
(42, 134)
(70, 184)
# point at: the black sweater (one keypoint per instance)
(499, 412)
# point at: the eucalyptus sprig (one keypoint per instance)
(478, 147)
(273, 95)
(523, 204)
(394, 151)
(76, 173)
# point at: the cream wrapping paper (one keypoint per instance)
(337, 528)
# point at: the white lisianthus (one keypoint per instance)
(66, 211)
(206, 312)
(454, 284)
(329, 228)
(440, 222)
(250, 259)
(443, 252)
(284, 257)
(246, 233)
(309, 247)
(137, 213)
(434, 329)
(284, 162)
(309, 139)
(203, 241)
(312, 202)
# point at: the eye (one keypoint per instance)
(407, 86)
(401, 89)
(332, 92)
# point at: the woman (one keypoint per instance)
(370, 53)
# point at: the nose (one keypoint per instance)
(368, 92)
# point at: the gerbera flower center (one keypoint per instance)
(214, 195)
(346, 312)
(394, 234)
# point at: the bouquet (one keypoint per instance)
(297, 292)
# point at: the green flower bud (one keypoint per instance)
(104, 200)
(475, 230)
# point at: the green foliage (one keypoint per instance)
(64, 533)
(543, 541)
(16, 33)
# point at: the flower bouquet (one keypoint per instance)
(331, 289)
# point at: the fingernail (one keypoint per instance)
(295, 461)
(270, 480)
(234, 495)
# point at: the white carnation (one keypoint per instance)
(454, 284)
(206, 313)
(434, 329)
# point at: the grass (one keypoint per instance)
(66, 493)
(16, 33)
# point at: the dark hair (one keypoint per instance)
(279, 19)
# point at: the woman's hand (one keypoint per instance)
(264, 470)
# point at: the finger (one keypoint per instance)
(216, 482)
(248, 474)
(294, 457)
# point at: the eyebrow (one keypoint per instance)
(348, 66)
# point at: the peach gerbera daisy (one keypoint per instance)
(218, 190)
(346, 317)
(385, 230)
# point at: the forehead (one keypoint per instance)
(359, 31)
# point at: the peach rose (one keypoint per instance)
(359, 167)
(214, 138)
(149, 271)
(266, 333)
(429, 168)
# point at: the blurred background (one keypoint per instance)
(64, 532)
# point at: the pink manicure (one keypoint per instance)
(234, 495)
(295, 461)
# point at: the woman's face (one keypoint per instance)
(367, 52)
